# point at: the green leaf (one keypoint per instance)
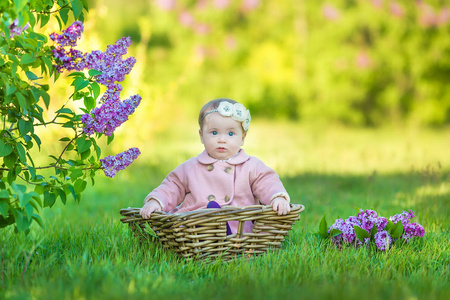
(323, 227)
(5, 149)
(22, 222)
(64, 111)
(80, 186)
(96, 89)
(46, 98)
(80, 83)
(22, 101)
(335, 232)
(72, 190)
(19, 5)
(31, 75)
(373, 231)
(18, 188)
(94, 72)
(110, 139)
(76, 173)
(49, 199)
(37, 139)
(25, 126)
(27, 59)
(389, 225)
(4, 194)
(62, 195)
(32, 172)
(396, 231)
(64, 14)
(4, 209)
(10, 160)
(83, 145)
(77, 8)
(361, 234)
(21, 152)
(89, 103)
(38, 220)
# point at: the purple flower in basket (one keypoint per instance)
(113, 164)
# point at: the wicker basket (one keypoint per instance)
(201, 234)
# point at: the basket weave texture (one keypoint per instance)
(202, 234)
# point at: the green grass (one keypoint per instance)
(86, 253)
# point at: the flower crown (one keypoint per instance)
(236, 111)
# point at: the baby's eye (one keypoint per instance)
(214, 132)
(230, 133)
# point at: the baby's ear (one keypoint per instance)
(201, 135)
(243, 137)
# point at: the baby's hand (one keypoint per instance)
(148, 208)
(281, 205)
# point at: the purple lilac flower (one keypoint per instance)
(66, 56)
(110, 115)
(70, 36)
(383, 240)
(113, 164)
(110, 62)
(348, 232)
(413, 230)
(404, 217)
(15, 29)
(369, 218)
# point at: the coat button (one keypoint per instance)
(211, 198)
(227, 198)
(210, 167)
(228, 170)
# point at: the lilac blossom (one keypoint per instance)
(404, 217)
(110, 115)
(383, 240)
(70, 36)
(367, 220)
(112, 112)
(412, 230)
(66, 56)
(113, 164)
(110, 62)
(15, 29)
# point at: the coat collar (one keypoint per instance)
(205, 159)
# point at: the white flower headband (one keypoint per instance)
(236, 111)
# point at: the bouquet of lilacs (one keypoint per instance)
(367, 227)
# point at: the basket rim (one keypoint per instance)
(198, 213)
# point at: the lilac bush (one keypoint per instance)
(367, 226)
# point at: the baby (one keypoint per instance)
(223, 174)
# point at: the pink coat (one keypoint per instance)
(240, 181)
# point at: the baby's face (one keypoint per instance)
(222, 136)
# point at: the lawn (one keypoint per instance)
(86, 253)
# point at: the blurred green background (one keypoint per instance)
(326, 81)
(356, 62)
